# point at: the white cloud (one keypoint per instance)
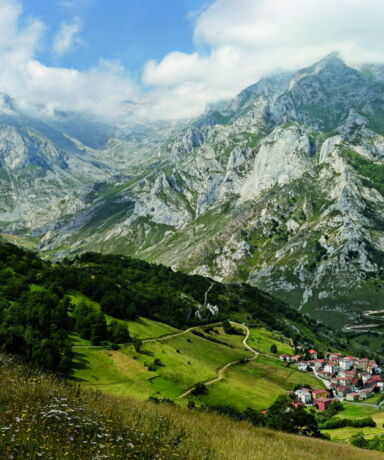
(67, 37)
(101, 90)
(237, 41)
(67, 3)
(246, 39)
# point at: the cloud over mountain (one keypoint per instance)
(241, 40)
(237, 41)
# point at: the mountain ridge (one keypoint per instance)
(273, 188)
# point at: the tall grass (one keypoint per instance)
(42, 417)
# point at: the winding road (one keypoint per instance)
(220, 373)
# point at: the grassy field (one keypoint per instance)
(88, 425)
(186, 360)
(261, 340)
(358, 411)
(256, 384)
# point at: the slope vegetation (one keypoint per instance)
(46, 418)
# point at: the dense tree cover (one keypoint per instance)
(34, 322)
(36, 315)
(375, 443)
(283, 415)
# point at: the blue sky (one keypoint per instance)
(169, 58)
(131, 31)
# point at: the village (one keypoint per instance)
(346, 378)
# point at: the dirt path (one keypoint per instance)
(175, 334)
(206, 294)
(220, 373)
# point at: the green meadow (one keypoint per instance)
(166, 367)
(356, 411)
(256, 384)
(262, 340)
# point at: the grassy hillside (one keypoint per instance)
(97, 297)
(42, 417)
(186, 360)
(133, 329)
(256, 385)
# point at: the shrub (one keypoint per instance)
(200, 389)
(273, 349)
(343, 422)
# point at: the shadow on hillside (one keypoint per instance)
(80, 362)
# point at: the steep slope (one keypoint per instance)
(281, 188)
(46, 417)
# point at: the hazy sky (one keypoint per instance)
(169, 58)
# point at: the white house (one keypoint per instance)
(304, 396)
(346, 363)
(302, 366)
(331, 368)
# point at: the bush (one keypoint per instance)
(273, 349)
(343, 422)
(200, 389)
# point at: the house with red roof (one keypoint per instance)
(365, 376)
(374, 380)
(322, 403)
(316, 394)
(362, 363)
(346, 363)
(372, 366)
(319, 363)
(312, 354)
(364, 394)
(334, 357)
(345, 381)
(343, 390)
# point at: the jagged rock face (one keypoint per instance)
(281, 187)
(283, 156)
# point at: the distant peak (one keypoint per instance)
(331, 60)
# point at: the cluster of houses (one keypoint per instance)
(346, 377)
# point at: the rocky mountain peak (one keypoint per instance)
(280, 187)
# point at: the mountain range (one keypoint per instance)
(281, 187)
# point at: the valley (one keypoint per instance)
(280, 188)
(128, 329)
(174, 266)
